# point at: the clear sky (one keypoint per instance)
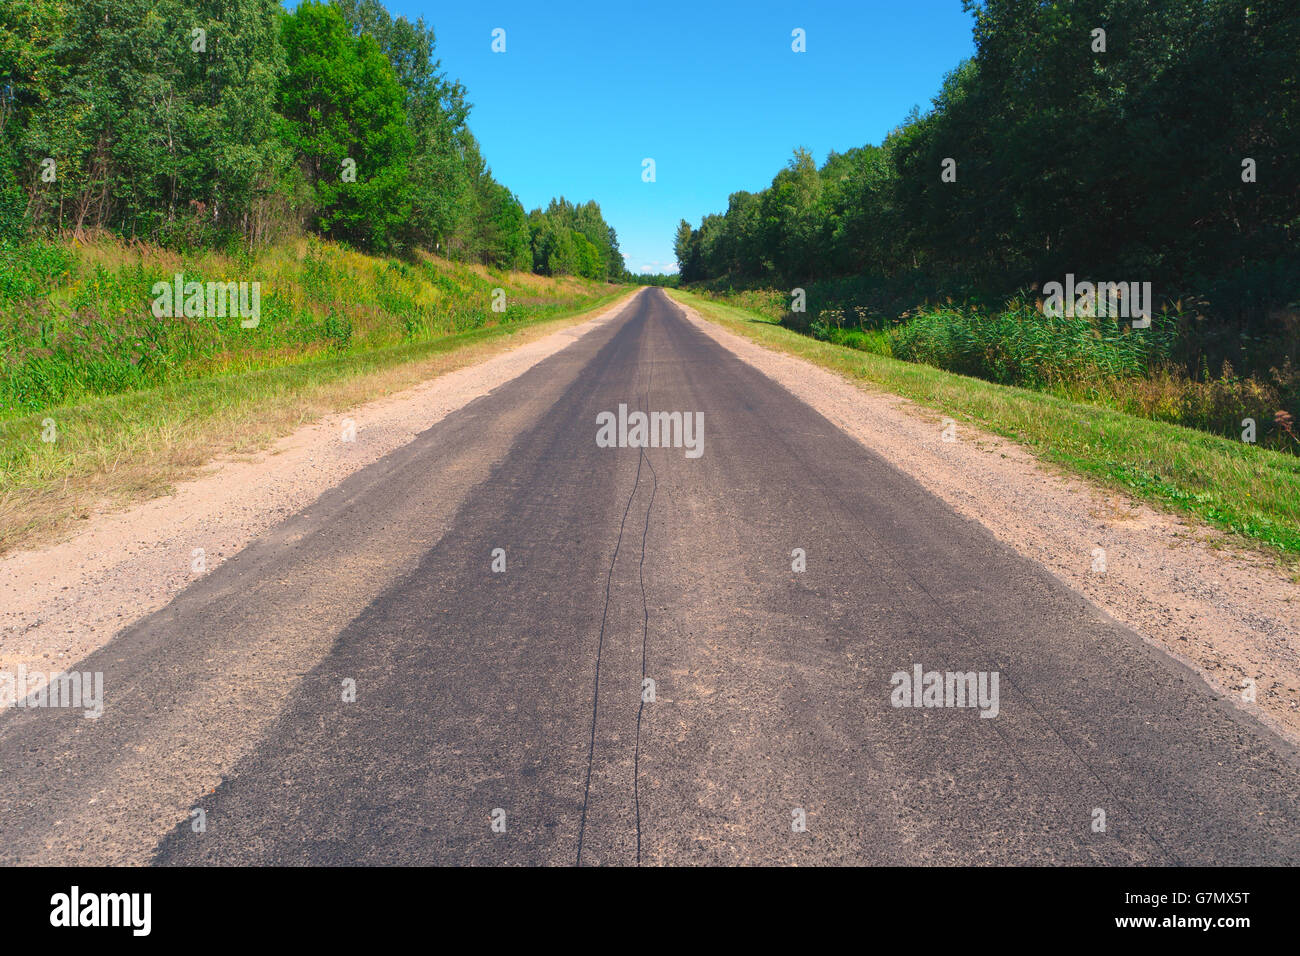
(709, 89)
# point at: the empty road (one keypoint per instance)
(649, 679)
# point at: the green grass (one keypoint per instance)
(1019, 345)
(75, 319)
(116, 446)
(1102, 361)
(1246, 490)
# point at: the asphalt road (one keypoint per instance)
(503, 718)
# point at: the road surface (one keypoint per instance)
(504, 717)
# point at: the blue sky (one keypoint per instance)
(709, 89)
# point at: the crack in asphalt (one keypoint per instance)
(645, 633)
(600, 645)
(645, 637)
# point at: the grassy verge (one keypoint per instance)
(111, 450)
(80, 319)
(1248, 491)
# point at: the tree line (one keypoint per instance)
(211, 122)
(1126, 139)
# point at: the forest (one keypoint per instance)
(223, 124)
(1117, 140)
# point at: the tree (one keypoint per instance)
(505, 238)
(445, 164)
(345, 118)
(682, 250)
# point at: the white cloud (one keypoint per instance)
(667, 267)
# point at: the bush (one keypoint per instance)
(12, 203)
(337, 331)
(1020, 345)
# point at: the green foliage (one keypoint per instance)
(345, 119)
(75, 321)
(12, 203)
(30, 269)
(1120, 165)
(448, 179)
(145, 135)
(1019, 345)
(338, 330)
(662, 280)
(570, 239)
(239, 136)
(504, 239)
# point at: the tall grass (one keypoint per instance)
(1101, 361)
(1020, 345)
(75, 319)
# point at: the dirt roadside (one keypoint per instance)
(1232, 616)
